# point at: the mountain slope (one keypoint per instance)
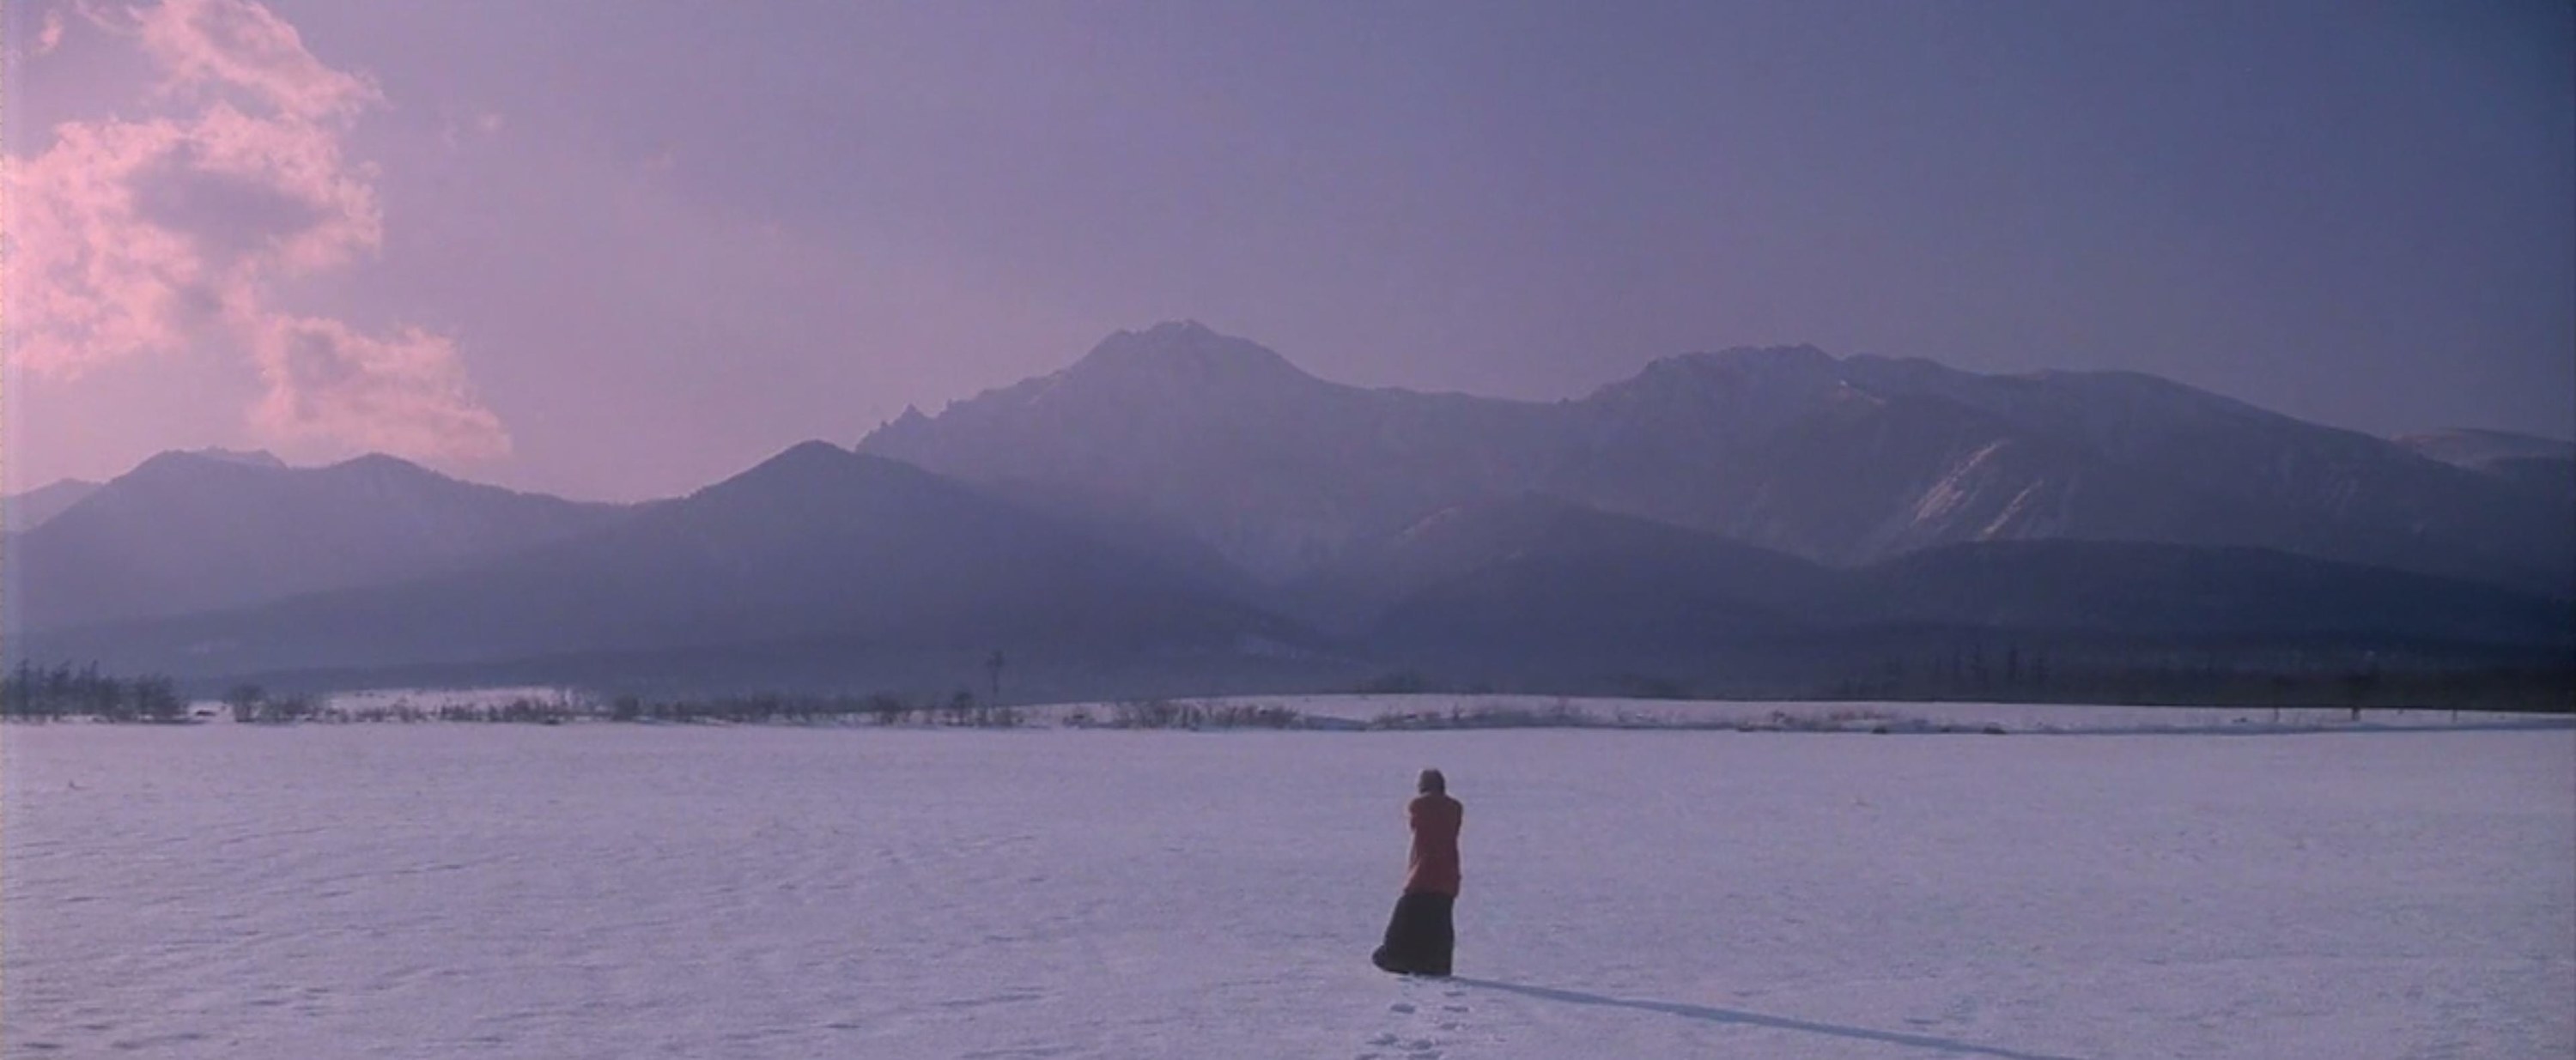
(2480, 450)
(1459, 543)
(1690, 588)
(2150, 591)
(816, 546)
(2543, 468)
(1850, 460)
(199, 531)
(1713, 613)
(1229, 442)
(34, 508)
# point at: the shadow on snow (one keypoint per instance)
(1755, 1019)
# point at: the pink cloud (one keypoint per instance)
(158, 236)
(404, 394)
(242, 46)
(90, 281)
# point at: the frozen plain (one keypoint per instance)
(706, 891)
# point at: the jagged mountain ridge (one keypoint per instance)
(1842, 460)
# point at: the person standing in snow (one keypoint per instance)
(1420, 937)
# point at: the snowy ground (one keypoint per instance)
(692, 891)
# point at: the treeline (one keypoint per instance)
(959, 710)
(523, 710)
(1184, 714)
(255, 705)
(2180, 677)
(37, 693)
(2515, 680)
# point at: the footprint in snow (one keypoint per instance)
(1401, 1006)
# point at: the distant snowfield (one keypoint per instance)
(701, 891)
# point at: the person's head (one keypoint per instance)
(1432, 783)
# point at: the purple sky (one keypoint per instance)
(622, 249)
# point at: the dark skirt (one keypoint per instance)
(1419, 937)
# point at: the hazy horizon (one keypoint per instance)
(621, 258)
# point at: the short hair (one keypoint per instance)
(1432, 783)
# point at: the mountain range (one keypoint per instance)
(1185, 512)
(1839, 460)
(818, 550)
(207, 531)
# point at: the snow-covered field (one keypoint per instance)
(700, 891)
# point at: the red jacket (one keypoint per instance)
(1433, 869)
